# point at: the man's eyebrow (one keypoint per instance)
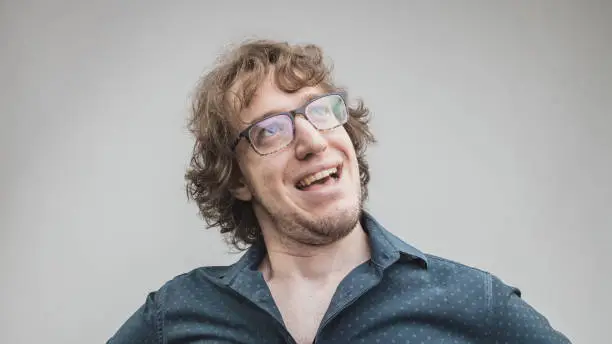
(305, 98)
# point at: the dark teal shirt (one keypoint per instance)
(400, 296)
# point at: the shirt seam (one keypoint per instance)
(487, 281)
(450, 262)
(159, 317)
(488, 285)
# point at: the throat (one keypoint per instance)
(319, 264)
(302, 306)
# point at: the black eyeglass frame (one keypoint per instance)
(292, 115)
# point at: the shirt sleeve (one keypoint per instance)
(144, 326)
(515, 321)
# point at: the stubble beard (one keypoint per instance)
(294, 228)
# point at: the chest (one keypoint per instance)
(394, 310)
(377, 317)
(302, 308)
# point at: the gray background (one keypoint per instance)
(493, 118)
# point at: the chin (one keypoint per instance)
(333, 223)
(316, 218)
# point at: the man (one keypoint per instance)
(279, 167)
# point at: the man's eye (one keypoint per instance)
(319, 110)
(270, 130)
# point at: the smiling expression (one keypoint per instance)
(309, 192)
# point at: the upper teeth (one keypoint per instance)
(316, 176)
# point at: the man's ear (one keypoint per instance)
(241, 191)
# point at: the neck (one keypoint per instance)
(315, 263)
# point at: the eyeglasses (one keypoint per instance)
(275, 132)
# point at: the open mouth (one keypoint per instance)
(319, 179)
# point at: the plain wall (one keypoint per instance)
(493, 120)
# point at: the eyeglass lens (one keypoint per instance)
(274, 133)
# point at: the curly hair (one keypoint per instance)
(220, 96)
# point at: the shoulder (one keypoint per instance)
(447, 269)
(205, 280)
(199, 292)
(462, 278)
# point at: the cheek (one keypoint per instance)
(267, 177)
(348, 150)
(344, 141)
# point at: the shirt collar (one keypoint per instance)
(386, 249)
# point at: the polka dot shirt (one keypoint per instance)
(400, 296)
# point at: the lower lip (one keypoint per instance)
(314, 187)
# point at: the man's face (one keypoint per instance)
(321, 213)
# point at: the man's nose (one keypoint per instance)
(308, 139)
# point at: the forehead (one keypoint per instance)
(270, 99)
